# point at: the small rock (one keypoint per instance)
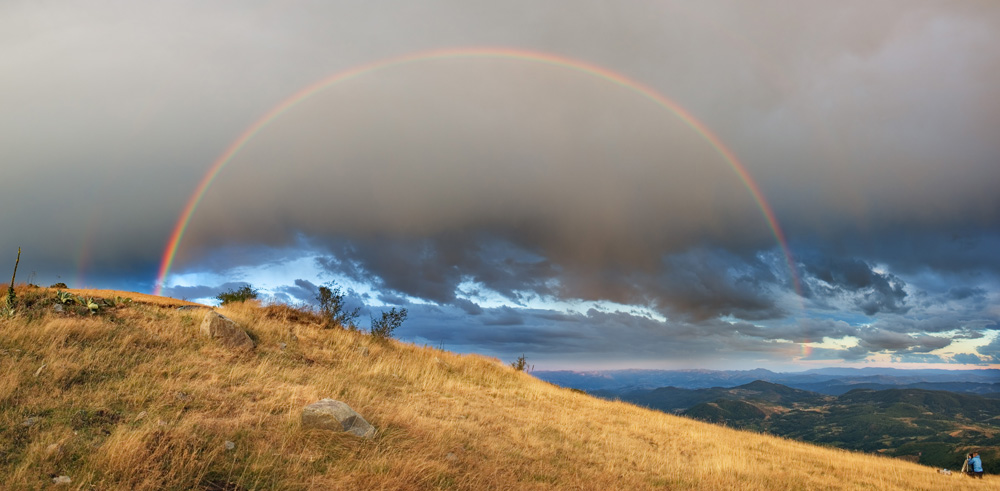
(451, 457)
(29, 422)
(58, 308)
(39, 371)
(230, 445)
(61, 480)
(329, 414)
(282, 346)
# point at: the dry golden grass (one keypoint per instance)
(137, 297)
(135, 398)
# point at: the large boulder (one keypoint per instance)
(226, 331)
(329, 414)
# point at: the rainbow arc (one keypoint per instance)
(184, 219)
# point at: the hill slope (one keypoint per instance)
(673, 399)
(134, 398)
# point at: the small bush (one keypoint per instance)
(58, 285)
(242, 294)
(333, 310)
(383, 328)
(521, 364)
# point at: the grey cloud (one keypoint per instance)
(553, 337)
(851, 354)
(870, 291)
(504, 316)
(918, 358)
(467, 306)
(970, 359)
(712, 283)
(966, 292)
(193, 292)
(877, 340)
(302, 290)
(991, 351)
(804, 331)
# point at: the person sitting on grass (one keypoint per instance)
(976, 465)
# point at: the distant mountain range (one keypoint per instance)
(830, 381)
(930, 416)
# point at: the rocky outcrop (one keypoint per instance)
(226, 331)
(329, 414)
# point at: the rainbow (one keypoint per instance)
(458, 53)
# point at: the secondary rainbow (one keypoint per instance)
(502, 53)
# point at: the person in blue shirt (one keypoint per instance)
(976, 465)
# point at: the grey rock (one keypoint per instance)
(226, 331)
(329, 414)
(27, 423)
(61, 480)
(230, 445)
(58, 308)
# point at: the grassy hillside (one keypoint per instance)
(132, 397)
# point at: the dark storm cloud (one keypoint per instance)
(870, 291)
(433, 268)
(711, 283)
(966, 292)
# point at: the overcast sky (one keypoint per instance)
(515, 206)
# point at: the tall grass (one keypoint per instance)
(135, 398)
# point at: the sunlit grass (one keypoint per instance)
(135, 398)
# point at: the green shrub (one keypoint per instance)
(521, 364)
(382, 328)
(244, 293)
(333, 310)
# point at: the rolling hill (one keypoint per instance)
(132, 396)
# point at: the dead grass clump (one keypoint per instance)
(288, 314)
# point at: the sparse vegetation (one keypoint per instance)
(139, 400)
(383, 327)
(333, 309)
(521, 364)
(241, 294)
(58, 285)
(9, 301)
